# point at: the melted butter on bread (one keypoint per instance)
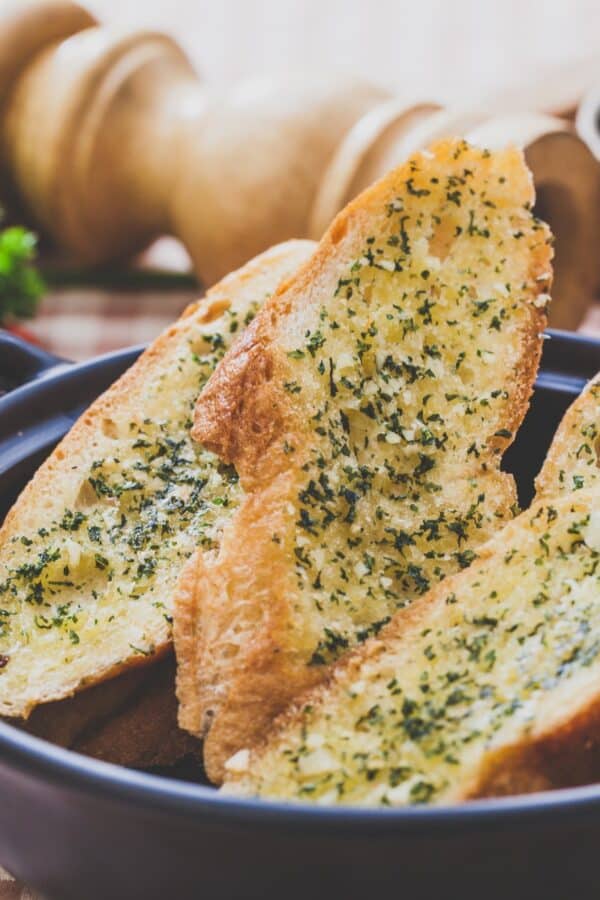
(486, 686)
(91, 552)
(366, 412)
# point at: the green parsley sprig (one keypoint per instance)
(21, 286)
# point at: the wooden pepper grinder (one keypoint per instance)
(108, 140)
(566, 174)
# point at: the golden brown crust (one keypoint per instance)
(245, 413)
(132, 381)
(55, 486)
(259, 569)
(245, 417)
(64, 721)
(556, 745)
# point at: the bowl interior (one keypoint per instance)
(35, 417)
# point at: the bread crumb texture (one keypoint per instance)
(573, 462)
(409, 375)
(91, 551)
(474, 691)
(380, 389)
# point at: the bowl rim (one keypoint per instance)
(38, 759)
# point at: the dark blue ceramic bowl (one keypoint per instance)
(77, 829)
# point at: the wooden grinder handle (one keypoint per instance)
(109, 139)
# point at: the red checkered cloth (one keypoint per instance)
(78, 323)
(12, 890)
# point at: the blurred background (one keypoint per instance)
(447, 50)
(514, 57)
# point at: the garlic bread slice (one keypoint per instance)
(90, 553)
(365, 411)
(506, 697)
(487, 686)
(573, 460)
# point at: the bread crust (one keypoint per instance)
(562, 750)
(246, 417)
(44, 497)
(559, 748)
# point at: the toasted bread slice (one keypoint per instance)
(366, 411)
(130, 720)
(91, 551)
(487, 686)
(573, 461)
